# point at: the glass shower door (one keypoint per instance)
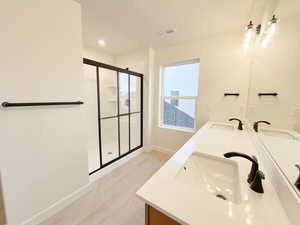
(124, 112)
(113, 104)
(108, 83)
(135, 112)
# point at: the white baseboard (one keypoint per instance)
(57, 206)
(163, 150)
(94, 177)
(66, 201)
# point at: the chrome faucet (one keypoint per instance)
(255, 176)
(240, 127)
(255, 125)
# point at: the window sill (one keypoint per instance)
(182, 129)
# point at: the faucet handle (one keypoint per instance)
(261, 174)
(254, 169)
(256, 184)
(297, 183)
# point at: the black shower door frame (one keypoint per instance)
(130, 73)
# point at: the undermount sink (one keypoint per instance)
(222, 126)
(279, 134)
(214, 175)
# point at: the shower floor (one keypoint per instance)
(109, 153)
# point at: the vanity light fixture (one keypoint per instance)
(258, 29)
(249, 35)
(269, 33)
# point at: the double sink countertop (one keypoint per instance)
(170, 191)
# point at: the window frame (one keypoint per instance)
(162, 97)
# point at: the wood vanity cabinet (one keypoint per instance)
(155, 217)
(2, 212)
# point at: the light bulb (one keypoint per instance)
(249, 36)
(268, 36)
(248, 39)
(270, 32)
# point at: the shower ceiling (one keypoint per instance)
(132, 24)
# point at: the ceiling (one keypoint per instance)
(127, 25)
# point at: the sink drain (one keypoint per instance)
(221, 197)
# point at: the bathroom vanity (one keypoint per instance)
(155, 217)
(2, 209)
(198, 185)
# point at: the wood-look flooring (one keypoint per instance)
(112, 200)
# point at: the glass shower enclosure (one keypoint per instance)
(114, 113)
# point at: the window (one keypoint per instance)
(179, 93)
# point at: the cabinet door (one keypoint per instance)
(2, 212)
(155, 217)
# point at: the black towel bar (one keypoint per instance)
(268, 94)
(231, 94)
(10, 104)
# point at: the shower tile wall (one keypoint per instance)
(91, 116)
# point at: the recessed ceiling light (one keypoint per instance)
(101, 42)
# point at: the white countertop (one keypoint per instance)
(188, 205)
(281, 150)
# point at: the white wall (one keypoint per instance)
(42, 157)
(224, 67)
(276, 69)
(98, 55)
